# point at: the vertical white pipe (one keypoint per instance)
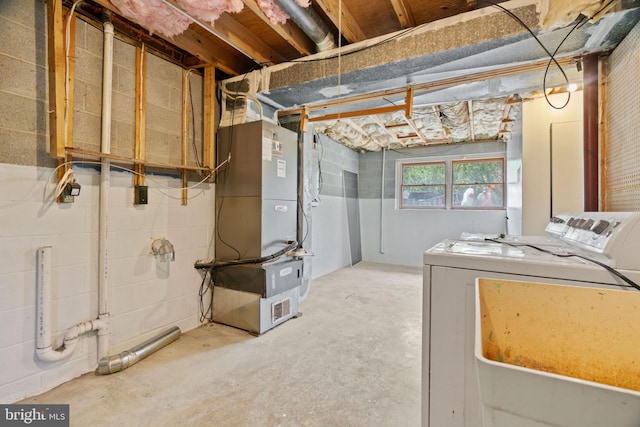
(105, 147)
(384, 158)
(43, 287)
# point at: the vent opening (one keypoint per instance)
(280, 310)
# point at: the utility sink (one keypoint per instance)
(557, 355)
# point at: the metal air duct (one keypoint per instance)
(310, 23)
(121, 361)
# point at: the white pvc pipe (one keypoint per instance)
(384, 157)
(43, 288)
(105, 147)
(44, 348)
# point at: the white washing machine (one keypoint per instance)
(450, 391)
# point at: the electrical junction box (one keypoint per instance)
(257, 297)
(141, 195)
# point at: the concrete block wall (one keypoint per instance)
(394, 236)
(145, 296)
(23, 83)
(163, 101)
(330, 234)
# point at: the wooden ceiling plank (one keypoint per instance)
(194, 43)
(288, 31)
(349, 26)
(404, 14)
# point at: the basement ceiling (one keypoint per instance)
(406, 73)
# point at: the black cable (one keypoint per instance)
(551, 56)
(546, 70)
(568, 255)
(205, 314)
(228, 168)
(212, 266)
(193, 125)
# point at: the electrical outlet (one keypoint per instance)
(141, 195)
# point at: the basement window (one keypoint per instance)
(478, 184)
(452, 184)
(423, 185)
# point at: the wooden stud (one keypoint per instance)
(209, 139)
(125, 160)
(140, 115)
(56, 61)
(186, 112)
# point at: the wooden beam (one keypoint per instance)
(139, 148)
(211, 51)
(184, 150)
(358, 113)
(404, 14)
(288, 31)
(236, 35)
(56, 61)
(438, 84)
(348, 24)
(380, 123)
(209, 137)
(80, 152)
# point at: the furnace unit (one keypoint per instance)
(256, 217)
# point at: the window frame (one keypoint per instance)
(478, 160)
(401, 205)
(448, 182)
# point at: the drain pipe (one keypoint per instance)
(384, 158)
(44, 347)
(105, 148)
(310, 23)
(121, 361)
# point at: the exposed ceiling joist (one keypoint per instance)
(346, 23)
(230, 31)
(404, 14)
(208, 50)
(288, 31)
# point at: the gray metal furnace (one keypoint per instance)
(256, 216)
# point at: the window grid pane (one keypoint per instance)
(478, 184)
(423, 185)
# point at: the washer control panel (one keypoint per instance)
(613, 234)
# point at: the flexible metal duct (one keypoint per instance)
(121, 361)
(309, 22)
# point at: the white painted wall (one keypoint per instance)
(537, 119)
(144, 298)
(408, 233)
(330, 236)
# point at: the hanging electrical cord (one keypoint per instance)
(97, 163)
(193, 119)
(611, 270)
(221, 194)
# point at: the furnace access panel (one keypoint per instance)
(256, 192)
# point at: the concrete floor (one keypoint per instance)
(352, 359)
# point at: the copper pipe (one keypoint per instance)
(590, 82)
